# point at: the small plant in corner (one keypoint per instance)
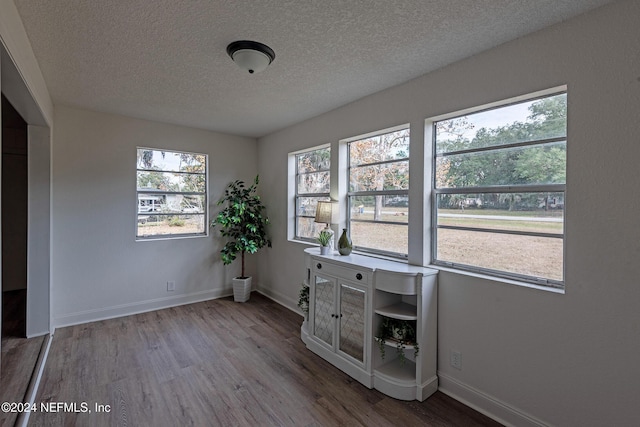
(400, 332)
(324, 238)
(243, 222)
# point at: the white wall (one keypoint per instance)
(529, 357)
(99, 270)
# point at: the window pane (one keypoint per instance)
(381, 237)
(527, 212)
(161, 225)
(164, 180)
(523, 255)
(306, 227)
(380, 208)
(306, 206)
(170, 203)
(314, 182)
(390, 146)
(172, 181)
(526, 121)
(312, 178)
(387, 176)
(170, 161)
(314, 160)
(535, 164)
(193, 204)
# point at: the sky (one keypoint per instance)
(498, 117)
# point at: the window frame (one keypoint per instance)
(349, 194)
(511, 188)
(204, 194)
(296, 196)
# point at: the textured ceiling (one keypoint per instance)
(165, 60)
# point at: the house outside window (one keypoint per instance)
(499, 189)
(171, 194)
(378, 195)
(312, 185)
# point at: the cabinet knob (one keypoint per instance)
(318, 266)
(359, 276)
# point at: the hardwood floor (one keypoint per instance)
(217, 363)
(19, 354)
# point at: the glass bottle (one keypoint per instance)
(344, 243)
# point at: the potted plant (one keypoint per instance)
(398, 332)
(324, 238)
(244, 223)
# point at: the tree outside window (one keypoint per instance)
(499, 185)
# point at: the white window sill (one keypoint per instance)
(498, 279)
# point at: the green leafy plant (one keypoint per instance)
(401, 332)
(243, 222)
(324, 238)
(303, 298)
(176, 222)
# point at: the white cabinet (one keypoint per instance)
(339, 306)
(350, 297)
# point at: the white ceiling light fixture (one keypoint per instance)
(251, 56)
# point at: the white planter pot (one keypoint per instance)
(241, 289)
(325, 250)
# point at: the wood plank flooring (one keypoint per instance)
(217, 363)
(19, 354)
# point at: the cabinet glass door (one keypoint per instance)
(352, 309)
(324, 314)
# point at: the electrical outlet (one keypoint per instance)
(171, 286)
(456, 359)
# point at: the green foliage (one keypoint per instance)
(534, 164)
(155, 181)
(303, 299)
(243, 222)
(176, 222)
(324, 238)
(402, 332)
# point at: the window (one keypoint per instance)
(378, 196)
(171, 194)
(499, 189)
(312, 185)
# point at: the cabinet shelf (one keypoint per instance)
(390, 342)
(394, 372)
(400, 311)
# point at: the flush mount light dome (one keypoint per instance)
(251, 56)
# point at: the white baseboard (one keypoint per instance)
(104, 313)
(38, 334)
(281, 299)
(486, 404)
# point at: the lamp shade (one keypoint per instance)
(251, 56)
(324, 213)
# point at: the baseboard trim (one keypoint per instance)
(486, 404)
(105, 313)
(38, 334)
(281, 299)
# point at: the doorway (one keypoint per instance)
(14, 222)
